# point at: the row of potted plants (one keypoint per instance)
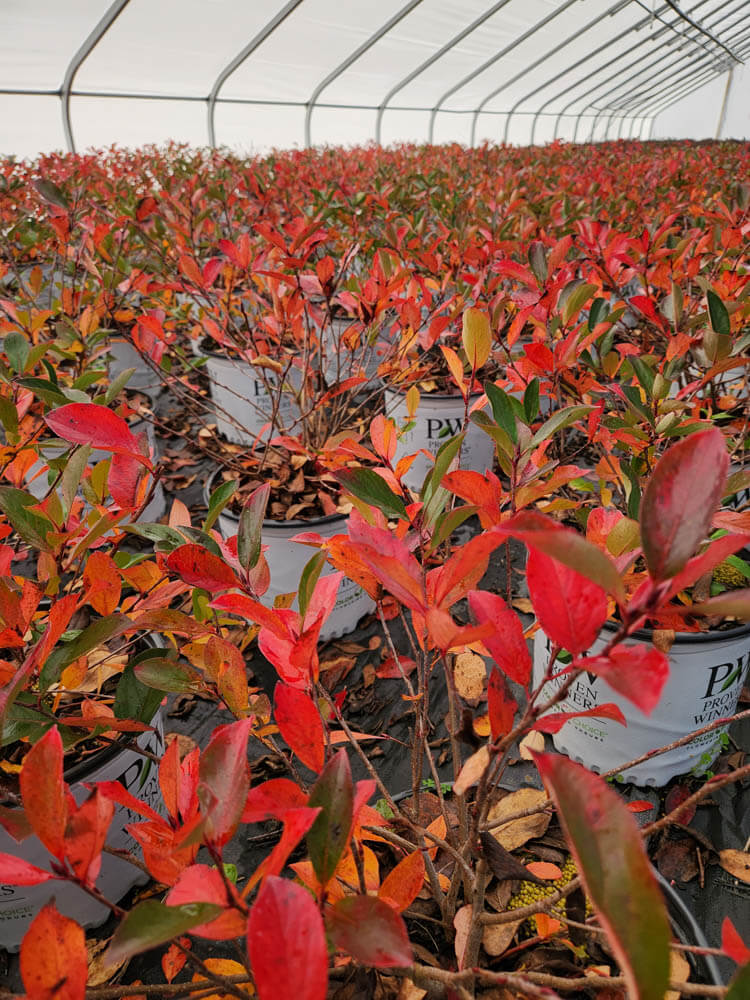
(605, 446)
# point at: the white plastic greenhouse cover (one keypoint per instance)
(257, 74)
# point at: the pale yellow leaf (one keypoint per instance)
(470, 674)
(498, 937)
(517, 832)
(477, 337)
(679, 971)
(531, 741)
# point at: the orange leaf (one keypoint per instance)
(54, 965)
(401, 887)
(546, 925)
(102, 579)
(456, 367)
(544, 869)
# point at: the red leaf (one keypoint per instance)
(224, 780)
(402, 885)
(638, 672)
(272, 800)
(85, 835)
(43, 792)
(16, 871)
(501, 704)
(88, 423)
(124, 480)
(370, 931)
(102, 580)
(570, 608)
(200, 568)
(507, 645)
(241, 604)
(463, 570)
(640, 806)
(286, 943)
(297, 823)
(675, 797)
(680, 500)
(201, 884)
(300, 724)
(119, 794)
(610, 855)
(554, 722)
(53, 957)
(732, 943)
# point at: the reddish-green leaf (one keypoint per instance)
(610, 855)
(554, 722)
(251, 523)
(300, 724)
(43, 791)
(201, 568)
(638, 672)
(286, 943)
(53, 958)
(500, 704)
(151, 923)
(570, 608)
(333, 793)
(370, 931)
(201, 884)
(367, 485)
(16, 871)
(224, 780)
(507, 645)
(680, 500)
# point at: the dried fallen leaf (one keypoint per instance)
(524, 605)
(531, 741)
(472, 770)
(737, 863)
(409, 991)
(497, 897)
(502, 864)
(679, 970)
(497, 937)
(100, 972)
(544, 869)
(224, 967)
(470, 674)
(462, 925)
(518, 831)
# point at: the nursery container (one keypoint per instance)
(341, 362)
(286, 560)
(122, 355)
(706, 674)
(154, 509)
(438, 417)
(139, 775)
(238, 389)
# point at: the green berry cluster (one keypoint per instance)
(729, 576)
(531, 893)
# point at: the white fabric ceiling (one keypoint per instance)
(284, 72)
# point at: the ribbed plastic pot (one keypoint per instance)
(139, 775)
(239, 391)
(122, 355)
(707, 671)
(341, 361)
(286, 560)
(438, 418)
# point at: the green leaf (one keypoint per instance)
(9, 419)
(219, 499)
(51, 193)
(448, 524)
(133, 700)
(718, 314)
(610, 855)
(95, 634)
(33, 528)
(598, 313)
(116, 387)
(573, 298)
(503, 443)
(633, 396)
(538, 261)
(158, 533)
(368, 486)
(643, 373)
(163, 674)
(739, 988)
(502, 410)
(333, 794)
(435, 496)
(560, 419)
(308, 580)
(251, 526)
(16, 347)
(45, 390)
(531, 400)
(71, 477)
(151, 923)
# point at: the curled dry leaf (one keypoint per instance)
(472, 770)
(101, 971)
(498, 937)
(409, 991)
(737, 863)
(679, 971)
(517, 832)
(462, 926)
(531, 741)
(470, 674)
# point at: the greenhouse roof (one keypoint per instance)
(270, 73)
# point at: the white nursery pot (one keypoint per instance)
(706, 674)
(340, 362)
(238, 390)
(139, 775)
(438, 418)
(286, 560)
(153, 510)
(122, 355)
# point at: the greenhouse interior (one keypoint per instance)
(374, 500)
